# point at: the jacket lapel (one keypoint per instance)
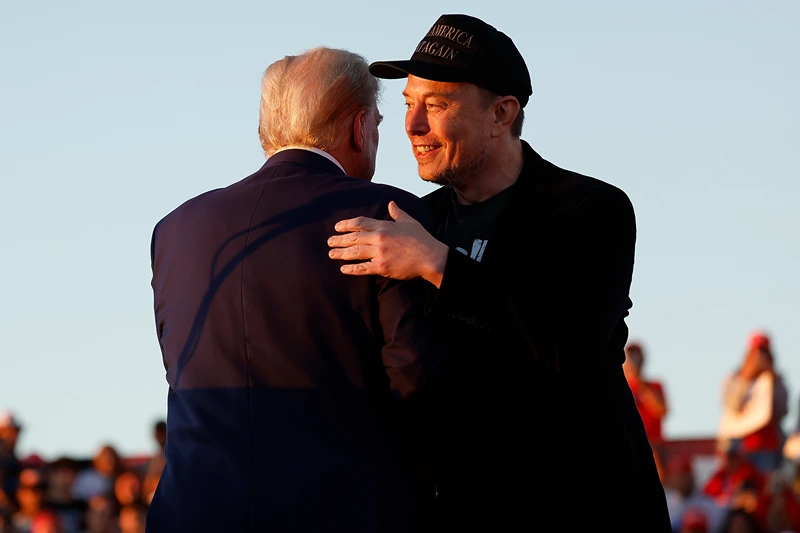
(524, 220)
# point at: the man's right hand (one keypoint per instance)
(399, 249)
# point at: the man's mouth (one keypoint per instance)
(425, 149)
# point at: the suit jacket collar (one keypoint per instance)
(306, 158)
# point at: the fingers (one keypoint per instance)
(357, 224)
(359, 269)
(351, 253)
(340, 241)
(398, 214)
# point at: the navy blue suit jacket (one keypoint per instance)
(289, 382)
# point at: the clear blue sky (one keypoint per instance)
(112, 114)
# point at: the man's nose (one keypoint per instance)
(417, 121)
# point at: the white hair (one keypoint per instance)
(311, 99)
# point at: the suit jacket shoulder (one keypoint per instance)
(567, 188)
(407, 201)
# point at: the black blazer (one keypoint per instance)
(543, 429)
(286, 377)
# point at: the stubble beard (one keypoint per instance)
(458, 176)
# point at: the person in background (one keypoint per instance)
(99, 478)
(5, 523)
(132, 518)
(777, 508)
(8, 504)
(754, 403)
(694, 521)
(10, 429)
(684, 495)
(734, 471)
(30, 497)
(155, 466)
(649, 397)
(740, 521)
(47, 521)
(101, 515)
(61, 473)
(128, 488)
(746, 496)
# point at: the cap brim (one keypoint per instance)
(394, 70)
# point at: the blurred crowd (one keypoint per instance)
(104, 494)
(755, 487)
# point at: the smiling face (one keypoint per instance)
(449, 126)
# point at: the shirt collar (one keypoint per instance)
(317, 151)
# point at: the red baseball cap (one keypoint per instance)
(694, 520)
(758, 339)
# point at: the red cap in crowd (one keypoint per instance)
(694, 521)
(33, 461)
(758, 339)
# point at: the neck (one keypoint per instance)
(500, 172)
(352, 161)
(344, 157)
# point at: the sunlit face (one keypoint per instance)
(633, 363)
(61, 478)
(8, 438)
(746, 500)
(29, 498)
(449, 126)
(30, 492)
(127, 488)
(106, 461)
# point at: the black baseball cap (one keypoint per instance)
(464, 48)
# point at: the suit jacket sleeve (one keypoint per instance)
(412, 349)
(566, 302)
(153, 285)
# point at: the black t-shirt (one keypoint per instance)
(468, 228)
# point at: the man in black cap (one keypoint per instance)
(530, 267)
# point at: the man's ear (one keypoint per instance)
(359, 130)
(506, 110)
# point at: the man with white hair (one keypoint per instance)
(287, 379)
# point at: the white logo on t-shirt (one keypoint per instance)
(478, 247)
